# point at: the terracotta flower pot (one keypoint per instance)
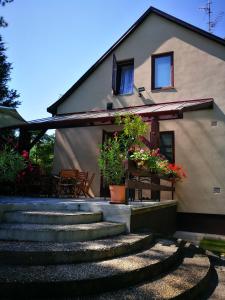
(117, 193)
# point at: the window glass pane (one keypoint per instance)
(166, 145)
(126, 79)
(166, 139)
(163, 71)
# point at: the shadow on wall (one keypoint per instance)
(78, 148)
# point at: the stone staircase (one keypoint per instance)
(46, 254)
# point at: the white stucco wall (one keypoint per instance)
(199, 72)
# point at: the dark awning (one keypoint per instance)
(164, 111)
(10, 117)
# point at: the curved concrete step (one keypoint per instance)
(188, 281)
(88, 278)
(60, 233)
(52, 217)
(37, 253)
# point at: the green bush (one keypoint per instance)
(42, 153)
(110, 161)
(11, 163)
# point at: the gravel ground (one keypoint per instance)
(219, 291)
(187, 275)
(129, 263)
(102, 244)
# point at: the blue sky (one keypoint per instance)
(51, 43)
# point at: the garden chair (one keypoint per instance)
(67, 182)
(84, 188)
(81, 182)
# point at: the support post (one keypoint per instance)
(24, 140)
(155, 143)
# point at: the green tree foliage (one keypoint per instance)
(11, 163)
(3, 22)
(8, 97)
(43, 153)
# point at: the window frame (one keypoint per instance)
(116, 76)
(153, 58)
(173, 142)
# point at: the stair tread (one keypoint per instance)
(58, 227)
(219, 291)
(53, 213)
(86, 271)
(101, 244)
(187, 275)
(38, 253)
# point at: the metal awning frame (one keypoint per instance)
(163, 111)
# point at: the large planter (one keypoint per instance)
(117, 193)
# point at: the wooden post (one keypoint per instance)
(154, 134)
(24, 140)
(155, 143)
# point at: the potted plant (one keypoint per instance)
(152, 160)
(114, 152)
(111, 163)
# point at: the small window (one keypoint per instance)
(123, 77)
(167, 145)
(162, 71)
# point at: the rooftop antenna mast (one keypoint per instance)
(208, 10)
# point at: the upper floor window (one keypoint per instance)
(162, 71)
(122, 77)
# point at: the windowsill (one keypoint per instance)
(130, 94)
(164, 89)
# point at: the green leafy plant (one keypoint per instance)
(11, 163)
(133, 128)
(42, 153)
(114, 151)
(111, 160)
(151, 159)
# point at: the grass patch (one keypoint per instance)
(213, 245)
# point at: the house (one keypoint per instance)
(161, 64)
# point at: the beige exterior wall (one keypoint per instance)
(199, 72)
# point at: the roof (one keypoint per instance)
(53, 108)
(164, 111)
(10, 117)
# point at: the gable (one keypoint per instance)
(157, 23)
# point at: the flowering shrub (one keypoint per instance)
(155, 162)
(30, 171)
(175, 171)
(11, 163)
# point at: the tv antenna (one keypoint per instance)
(211, 22)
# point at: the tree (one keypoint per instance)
(7, 96)
(43, 153)
(3, 22)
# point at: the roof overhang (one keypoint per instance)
(10, 117)
(163, 111)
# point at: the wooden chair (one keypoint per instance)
(67, 182)
(84, 189)
(81, 182)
